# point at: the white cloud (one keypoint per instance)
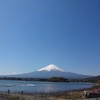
(13, 73)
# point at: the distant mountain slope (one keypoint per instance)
(50, 71)
(92, 79)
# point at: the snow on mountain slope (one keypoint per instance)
(51, 67)
(48, 72)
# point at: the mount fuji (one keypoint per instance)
(48, 72)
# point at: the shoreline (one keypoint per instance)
(62, 95)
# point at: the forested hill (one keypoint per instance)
(92, 79)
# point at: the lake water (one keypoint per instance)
(38, 87)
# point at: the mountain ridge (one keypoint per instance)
(48, 72)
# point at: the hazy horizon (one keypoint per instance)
(14, 73)
(37, 33)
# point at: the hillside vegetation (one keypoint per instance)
(58, 79)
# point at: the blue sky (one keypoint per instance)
(36, 33)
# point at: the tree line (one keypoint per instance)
(53, 79)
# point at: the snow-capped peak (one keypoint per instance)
(51, 67)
